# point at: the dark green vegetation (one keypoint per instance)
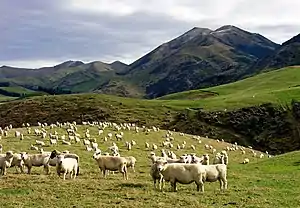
(197, 59)
(267, 182)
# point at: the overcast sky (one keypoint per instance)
(37, 33)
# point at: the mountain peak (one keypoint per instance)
(295, 39)
(69, 63)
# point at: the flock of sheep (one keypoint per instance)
(186, 169)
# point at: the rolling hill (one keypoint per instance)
(278, 86)
(257, 111)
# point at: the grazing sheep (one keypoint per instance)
(36, 160)
(156, 175)
(131, 162)
(147, 145)
(181, 173)
(66, 165)
(66, 154)
(5, 162)
(53, 141)
(246, 161)
(205, 159)
(111, 163)
(32, 147)
(37, 142)
(86, 142)
(18, 163)
(65, 142)
(154, 146)
(188, 173)
(88, 148)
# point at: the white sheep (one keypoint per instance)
(131, 162)
(188, 173)
(111, 163)
(5, 161)
(66, 165)
(246, 161)
(147, 145)
(154, 146)
(37, 142)
(156, 175)
(37, 160)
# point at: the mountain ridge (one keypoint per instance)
(198, 58)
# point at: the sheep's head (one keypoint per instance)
(53, 154)
(160, 164)
(9, 154)
(24, 155)
(96, 155)
(60, 158)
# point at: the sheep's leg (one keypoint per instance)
(29, 169)
(46, 169)
(124, 171)
(154, 183)
(22, 169)
(4, 170)
(133, 168)
(64, 176)
(75, 173)
(224, 183)
(71, 174)
(17, 171)
(173, 185)
(104, 173)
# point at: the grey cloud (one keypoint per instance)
(45, 30)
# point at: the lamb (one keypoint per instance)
(111, 163)
(5, 162)
(131, 162)
(66, 165)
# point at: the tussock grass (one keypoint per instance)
(268, 182)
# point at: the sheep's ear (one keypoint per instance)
(165, 162)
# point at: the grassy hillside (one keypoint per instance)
(278, 86)
(85, 106)
(268, 182)
(4, 98)
(19, 92)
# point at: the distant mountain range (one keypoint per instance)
(199, 58)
